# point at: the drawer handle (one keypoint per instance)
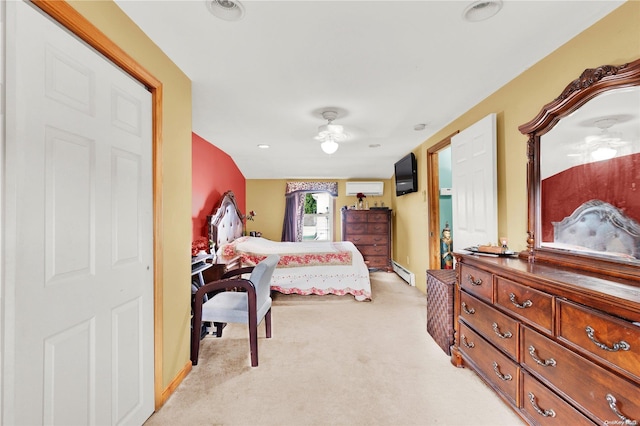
(504, 377)
(467, 310)
(527, 303)
(467, 344)
(621, 345)
(546, 363)
(474, 281)
(544, 413)
(496, 330)
(612, 404)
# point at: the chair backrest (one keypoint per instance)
(261, 277)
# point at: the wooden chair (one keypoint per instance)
(250, 306)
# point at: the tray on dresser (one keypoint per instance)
(490, 252)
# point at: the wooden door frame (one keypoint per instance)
(77, 24)
(433, 188)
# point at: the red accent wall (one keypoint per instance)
(588, 182)
(213, 173)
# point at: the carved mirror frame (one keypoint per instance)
(591, 83)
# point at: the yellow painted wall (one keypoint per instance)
(176, 172)
(266, 198)
(613, 40)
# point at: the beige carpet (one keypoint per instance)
(335, 361)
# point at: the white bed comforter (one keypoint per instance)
(308, 267)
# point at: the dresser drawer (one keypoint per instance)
(365, 239)
(356, 229)
(378, 217)
(495, 326)
(354, 216)
(531, 306)
(376, 261)
(378, 228)
(496, 368)
(373, 250)
(543, 407)
(363, 229)
(612, 340)
(477, 282)
(582, 382)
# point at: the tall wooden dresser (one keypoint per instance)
(559, 345)
(370, 231)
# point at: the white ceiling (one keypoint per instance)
(385, 65)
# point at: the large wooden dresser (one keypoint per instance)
(370, 231)
(560, 346)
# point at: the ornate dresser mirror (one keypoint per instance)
(583, 174)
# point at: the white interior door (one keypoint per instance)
(474, 184)
(78, 278)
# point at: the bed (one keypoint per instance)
(598, 227)
(305, 268)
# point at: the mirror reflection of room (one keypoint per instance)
(591, 160)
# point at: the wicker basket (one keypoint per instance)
(440, 287)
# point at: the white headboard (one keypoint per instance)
(226, 224)
(599, 226)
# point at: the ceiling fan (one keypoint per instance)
(330, 134)
(603, 145)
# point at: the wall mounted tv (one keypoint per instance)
(406, 175)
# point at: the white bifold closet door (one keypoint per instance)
(78, 235)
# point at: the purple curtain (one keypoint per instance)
(291, 227)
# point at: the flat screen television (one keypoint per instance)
(406, 175)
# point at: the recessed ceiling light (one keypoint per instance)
(481, 10)
(263, 146)
(229, 10)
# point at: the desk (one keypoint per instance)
(219, 267)
(207, 268)
(199, 264)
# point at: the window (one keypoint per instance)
(318, 217)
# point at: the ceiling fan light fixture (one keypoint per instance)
(329, 146)
(330, 134)
(481, 10)
(228, 10)
(603, 153)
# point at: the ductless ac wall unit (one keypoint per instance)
(367, 188)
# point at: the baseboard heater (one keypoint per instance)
(404, 273)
